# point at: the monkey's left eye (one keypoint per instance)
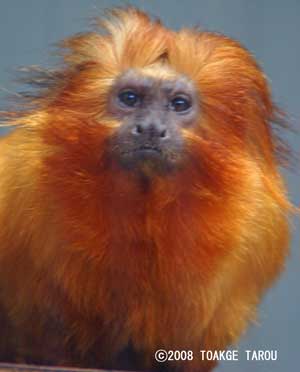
(129, 98)
(180, 104)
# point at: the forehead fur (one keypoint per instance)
(130, 39)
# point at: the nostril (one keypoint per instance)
(139, 129)
(163, 133)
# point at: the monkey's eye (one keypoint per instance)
(180, 104)
(129, 98)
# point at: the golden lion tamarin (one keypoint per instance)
(141, 204)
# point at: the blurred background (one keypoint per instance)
(270, 30)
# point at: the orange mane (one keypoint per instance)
(192, 254)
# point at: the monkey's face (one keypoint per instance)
(152, 110)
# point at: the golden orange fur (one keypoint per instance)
(91, 263)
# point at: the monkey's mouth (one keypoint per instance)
(144, 157)
(142, 152)
(148, 157)
(148, 150)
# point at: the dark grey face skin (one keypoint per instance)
(152, 111)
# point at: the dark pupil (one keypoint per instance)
(180, 104)
(129, 98)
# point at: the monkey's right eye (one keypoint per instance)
(129, 98)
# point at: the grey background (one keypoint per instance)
(269, 29)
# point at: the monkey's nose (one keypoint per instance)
(151, 131)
